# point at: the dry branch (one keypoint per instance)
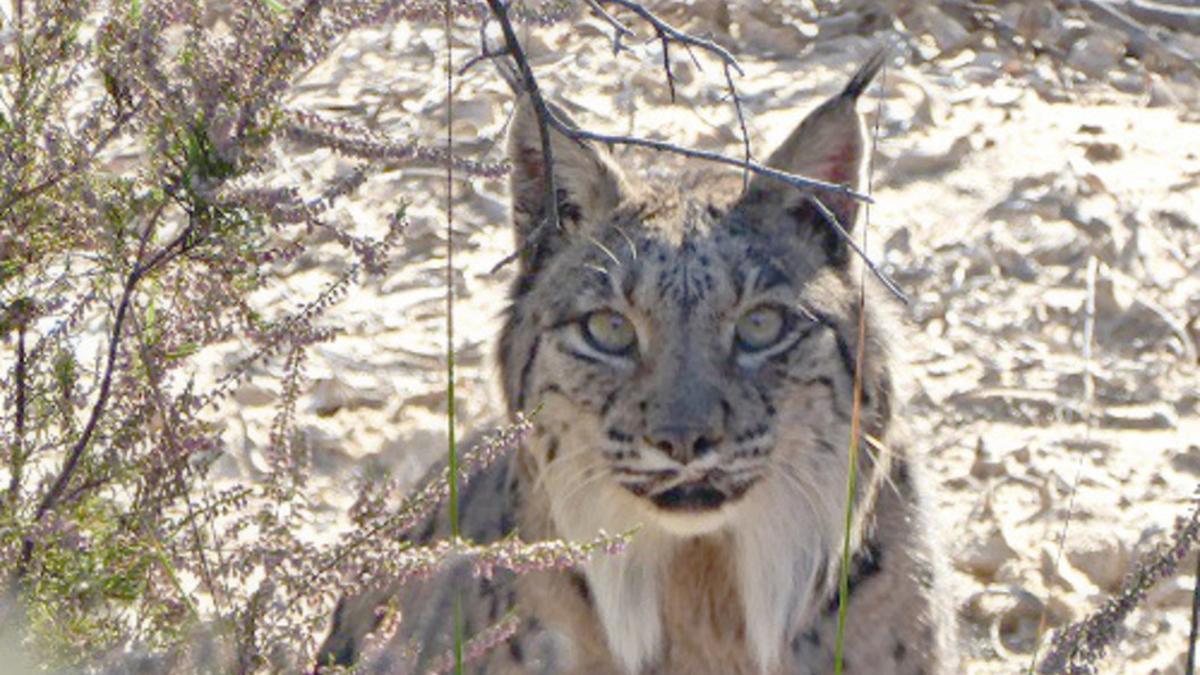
(1139, 35)
(1175, 17)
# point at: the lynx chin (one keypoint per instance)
(690, 348)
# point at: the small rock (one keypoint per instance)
(1153, 416)
(330, 395)
(1040, 21)
(1100, 556)
(1103, 152)
(983, 554)
(985, 464)
(1175, 591)
(1096, 55)
(945, 31)
(252, 395)
(1161, 94)
(1130, 83)
(1187, 460)
(1012, 615)
(919, 163)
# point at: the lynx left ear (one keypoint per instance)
(829, 145)
(587, 181)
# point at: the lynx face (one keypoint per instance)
(683, 358)
(684, 351)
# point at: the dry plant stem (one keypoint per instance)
(513, 46)
(164, 412)
(741, 117)
(1142, 37)
(841, 232)
(1077, 647)
(666, 32)
(140, 269)
(17, 458)
(1089, 328)
(451, 449)
(1192, 636)
(620, 30)
(1170, 15)
(662, 146)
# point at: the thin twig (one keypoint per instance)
(67, 471)
(154, 377)
(667, 31)
(550, 194)
(666, 46)
(741, 118)
(1139, 34)
(841, 232)
(17, 458)
(1191, 655)
(620, 30)
(547, 119)
(1089, 328)
(663, 146)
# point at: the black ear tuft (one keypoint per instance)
(865, 75)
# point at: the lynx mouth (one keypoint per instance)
(696, 496)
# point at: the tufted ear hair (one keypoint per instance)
(588, 182)
(829, 145)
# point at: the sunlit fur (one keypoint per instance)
(683, 264)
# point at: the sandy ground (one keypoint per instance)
(999, 186)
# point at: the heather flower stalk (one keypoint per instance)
(140, 206)
(479, 645)
(1076, 648)
(353, 141)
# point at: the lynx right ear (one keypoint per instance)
(587, 181)
(830, 145)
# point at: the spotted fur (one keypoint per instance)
(730, 464)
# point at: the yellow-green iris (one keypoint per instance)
(760, 328)
(610, 331)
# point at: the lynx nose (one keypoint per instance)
(683, 443)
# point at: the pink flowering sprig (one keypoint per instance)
(355, 141)
(520, 557)
(1077, 647)
(419, 504)
(479, 645)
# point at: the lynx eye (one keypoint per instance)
(760, 328)
(610, 332)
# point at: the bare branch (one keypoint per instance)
(663, 146)
(667, 31)
(550, 195)
(1138, 34)
(841, 232)
(620, 30)
(139, 270)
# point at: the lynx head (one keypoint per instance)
(688, 350)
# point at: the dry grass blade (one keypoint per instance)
(856, 400)
(1089, 331)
